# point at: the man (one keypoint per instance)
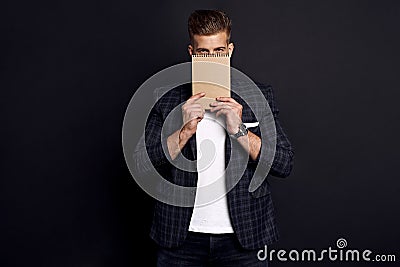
(229, 230)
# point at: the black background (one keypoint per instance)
(69, 69)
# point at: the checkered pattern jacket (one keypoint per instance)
(252, 213)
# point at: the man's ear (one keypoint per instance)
(190, 49)
(230, 48)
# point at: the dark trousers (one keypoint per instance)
(201, 249)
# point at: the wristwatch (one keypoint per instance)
(242, 131)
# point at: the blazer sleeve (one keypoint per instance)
(284, 155)
(149, 153)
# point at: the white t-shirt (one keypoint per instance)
(210, 213)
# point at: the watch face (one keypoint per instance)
(242, 131)
(243, 128)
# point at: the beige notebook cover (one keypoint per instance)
(211, 74)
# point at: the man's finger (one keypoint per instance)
(195, 112)
(195, 109)
(226, 99)
(221, 103)
(221, 111)
(195, 106)
(197, 96)
(196, 118)
(221, 107)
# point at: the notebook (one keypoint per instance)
(211, 74)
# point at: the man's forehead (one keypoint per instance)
(218, 39)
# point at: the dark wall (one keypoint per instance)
(69, 69)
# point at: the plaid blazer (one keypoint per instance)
(252, 213)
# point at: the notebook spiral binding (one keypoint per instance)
(212, 55)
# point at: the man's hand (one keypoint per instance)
(233, 117)
(231, 109)
(192, 113)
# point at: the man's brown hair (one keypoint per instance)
(209, 22)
